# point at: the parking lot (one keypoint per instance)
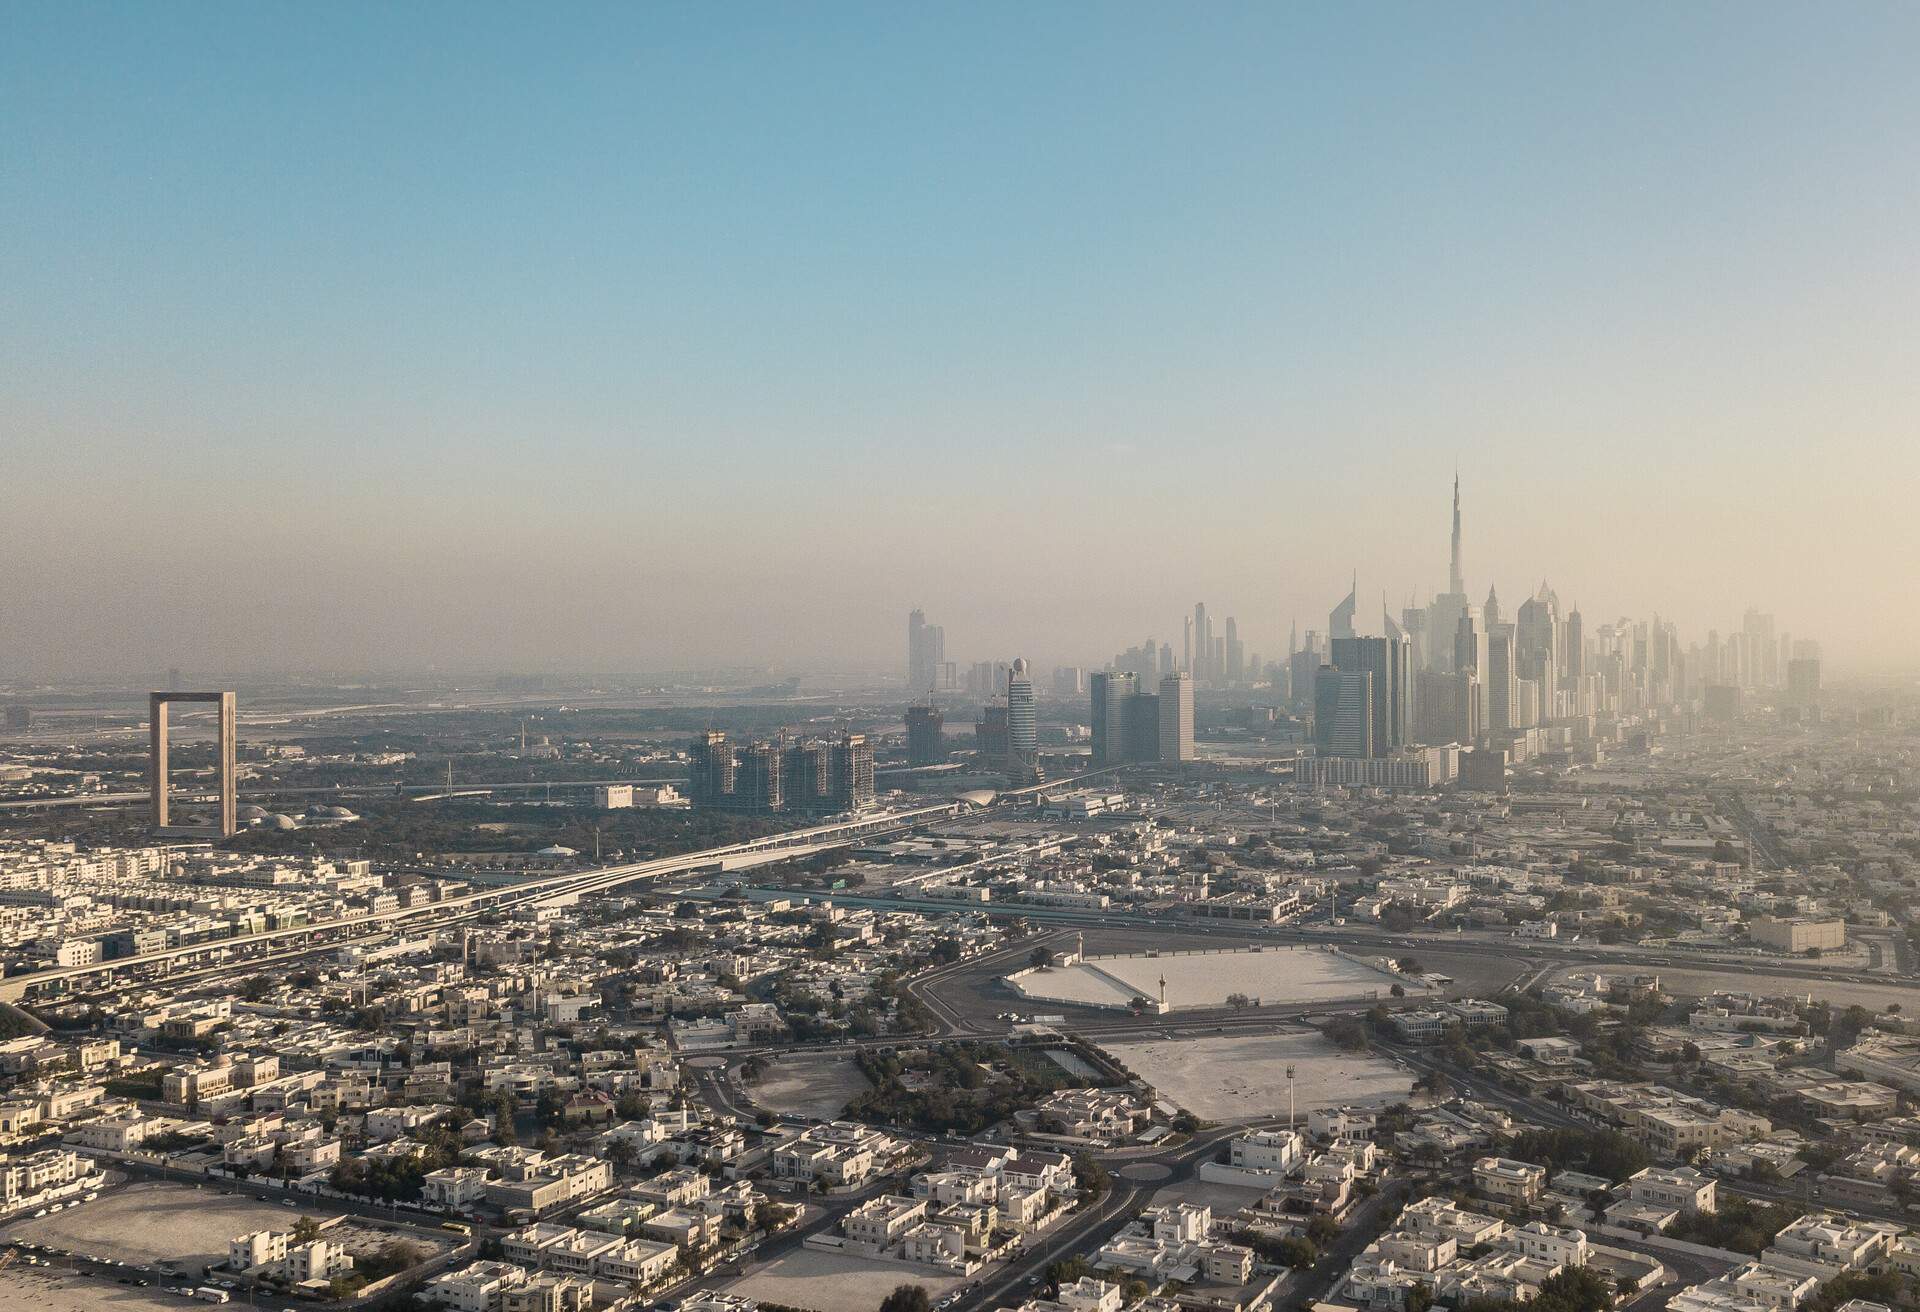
(150, 1223)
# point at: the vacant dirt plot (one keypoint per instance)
(59, 1291)
(145, 1223)
(1697, 983)
(1244, 1076)
(828, 1282)
(809, 1086)
(1477, 972)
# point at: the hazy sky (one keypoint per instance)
(576, 337)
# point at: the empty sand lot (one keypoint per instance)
(1244, 1076)
(809, 1086)
(60, 1291)
(147, 1222)
(829, 1282)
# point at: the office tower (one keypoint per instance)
(1142, 742)
(757, 778)
(990, 735)
(1399, 705)
(1111, 691)
(1470, 645)
(1342, 712)
(1526, 714)
(1068, 680)
(1023, 723)
(1235, 669)
(1301, 669)
(1340, 620)
(926, 653)
(926, 740)
(1764, 656)
(1413, 623)
(1186, 654)
(1536, 638)
(1803, 683)
(1176, 719)
(1576, 647)
(1202, 667)
(983, 679)
(1303, 666)
(1490, 613)
(1500, 681)
(1447, 708)
(1281, 674)
(1166, 665)
(1387, 662)
(850, 773)
(1143, 662)
(710, 769)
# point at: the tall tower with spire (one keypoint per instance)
(1340, 621)
(1456, 581)
(1450, 607)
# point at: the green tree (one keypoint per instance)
(1298, 1254)
(906, 1298)
(1090, 1177)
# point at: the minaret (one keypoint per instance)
(1163, 992)
(1456, 583)
(1293, 638)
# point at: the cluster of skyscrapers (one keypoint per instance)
(1211, 660)
(1131, 724)
(810, 776)
(1450, 672)
(1454, 672)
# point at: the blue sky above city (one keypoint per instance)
(636, 336)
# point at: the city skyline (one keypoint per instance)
(478, 341)
(927, 649)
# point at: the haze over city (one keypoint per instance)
(928, 657)
(393, 337)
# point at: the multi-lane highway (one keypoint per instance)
(452, 910)
(224, 952)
